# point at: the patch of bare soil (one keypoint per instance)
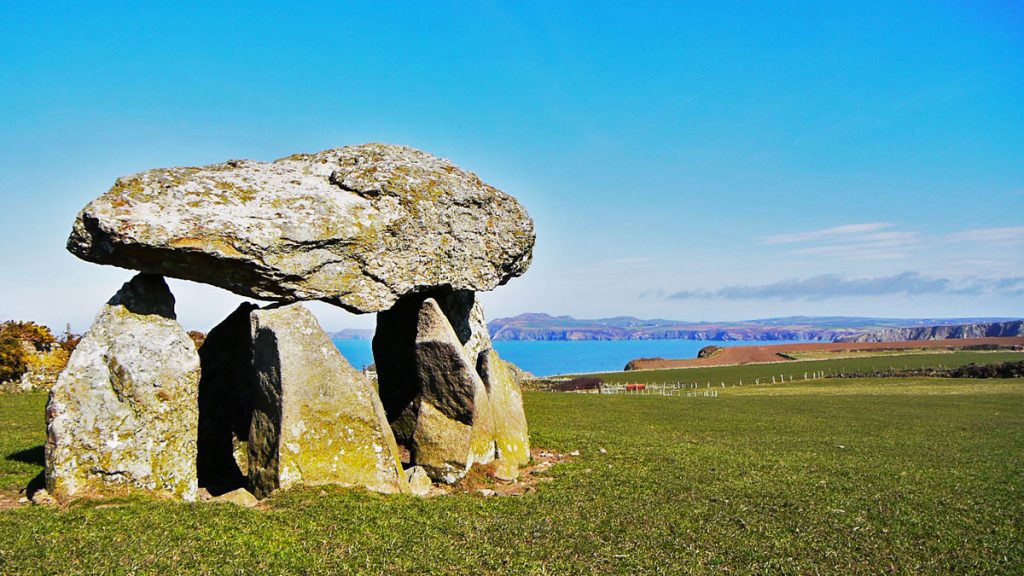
(482, 480)
(735, 355)
(8, 502)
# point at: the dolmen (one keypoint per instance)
(268, 401)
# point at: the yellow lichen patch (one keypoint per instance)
(207, 245)
(236, 192)
(510, 429)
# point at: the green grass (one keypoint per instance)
(838, 477)
(22, 432)
(748, 372)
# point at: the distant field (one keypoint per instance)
(749, 372)
(832, 477)
(735, 355)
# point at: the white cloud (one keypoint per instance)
(826, 286)
(835, 233)
(1004, 235)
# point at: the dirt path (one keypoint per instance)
(758, 354)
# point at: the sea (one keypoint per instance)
(552, 357)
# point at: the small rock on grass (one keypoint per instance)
(486, 493)
(42, 498)
(419, 481)
(574, 453)
(240, 497)
(602, 450)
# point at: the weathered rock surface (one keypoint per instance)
(123, 415)
(433, 356)
(454, 422)
(466, 316)
(315, 419)
(394, 350)
(419, 480)
(501, 380)
(359, 227)
(238, 497)
(511, 434)
(42, 498)
(436, 401)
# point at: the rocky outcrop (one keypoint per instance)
(359, 226)
(419, 480)
(123, 415)
(638, 363)
(313, 418)
(709, 351)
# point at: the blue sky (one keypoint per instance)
(681, 160)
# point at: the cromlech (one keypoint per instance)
(268, 401)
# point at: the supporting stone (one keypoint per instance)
(511, 435)
(455, 425)
(437, 402)
(225, 402)
(123, 414)
(394, 351)
(315, 419)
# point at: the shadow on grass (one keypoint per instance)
(33, 455)
(35, 484)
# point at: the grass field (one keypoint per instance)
(836, 476)
(749, 372)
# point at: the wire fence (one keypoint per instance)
(704, 389)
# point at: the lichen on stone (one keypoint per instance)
(402, 220)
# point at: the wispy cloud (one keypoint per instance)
(1004, 235)
(628, 261)
(867, 241)
(836, 232)
(827, 286)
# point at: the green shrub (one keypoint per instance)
(18, 341)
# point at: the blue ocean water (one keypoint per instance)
(547, 358)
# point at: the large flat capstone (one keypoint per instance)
(123, 414)
(358, 226)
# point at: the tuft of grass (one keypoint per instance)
(856, 476)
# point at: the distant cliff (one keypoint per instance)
(536, 326)
(978, 330)
(810, 329)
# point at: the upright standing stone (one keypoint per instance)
(315, 419)
(123, 414)
(225, 401)
(505, 398)
(511, 435)
(394, 350)
(466, 315)
(451, 425)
